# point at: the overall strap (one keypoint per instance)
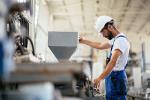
(113, 44)
(112, 48)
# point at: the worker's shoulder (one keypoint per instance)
(121, 37)
(122, 40)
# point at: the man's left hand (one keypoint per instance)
(97, 83)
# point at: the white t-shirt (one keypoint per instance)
(123, 45)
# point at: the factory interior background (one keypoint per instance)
(44, 66)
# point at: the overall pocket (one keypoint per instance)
(118, 84)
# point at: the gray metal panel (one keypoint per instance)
(66, 39)
(62, 52)
(63, 44)
(40, 72)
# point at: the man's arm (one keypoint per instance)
(115, 55)
(96, 45)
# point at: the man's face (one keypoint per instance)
(106, 33)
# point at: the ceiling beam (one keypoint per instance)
(113, 13)
(83, 17)
(137, 16)
(64, 3)
(145, 24)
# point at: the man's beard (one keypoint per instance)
(110, 36)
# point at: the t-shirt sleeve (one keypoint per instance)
(121, 44)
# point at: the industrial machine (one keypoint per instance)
(18, 28)
(139, 82)
(63, 45)
(66, 76)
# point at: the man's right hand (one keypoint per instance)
(81, 39)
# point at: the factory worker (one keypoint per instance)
(114, 72)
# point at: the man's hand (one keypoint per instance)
(98, 84)
(80, 39)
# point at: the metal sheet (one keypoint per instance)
(62, 44)
(54, 72)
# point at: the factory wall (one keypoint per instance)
(41, 33)
(136, 41)
(147, 51)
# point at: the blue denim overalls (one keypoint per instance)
(116, 83)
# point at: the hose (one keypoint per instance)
(21, 47)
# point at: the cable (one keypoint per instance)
(21, 47)
(33, 50)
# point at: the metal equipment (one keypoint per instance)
(67, 76)
(140, 87)
(62, 44)
(18, 28)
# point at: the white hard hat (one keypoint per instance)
(101, 21)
